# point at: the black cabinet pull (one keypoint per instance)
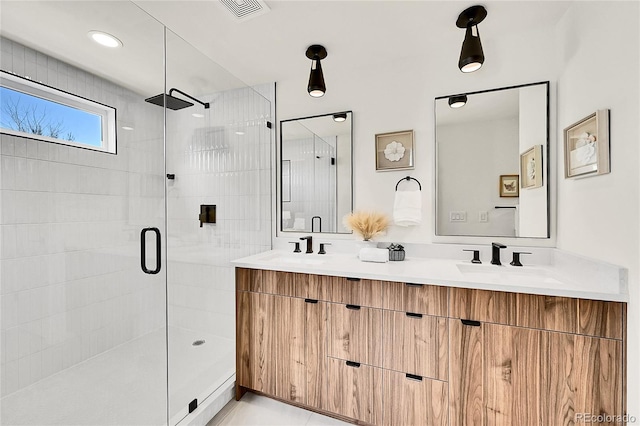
(413, 377)
(353, 364)
(413, 285)
(472, 323)
(353, 279)
(310, 301)
(143, 251)
(412, 315)
(353, 307)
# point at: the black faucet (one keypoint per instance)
(309, 243)
(495, 253)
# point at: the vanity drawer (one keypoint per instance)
(354, 291)
(546, 312)
(414, 400)
(416, 344)
(482, 305)
(354, 390)
(418, 298)
(602, 319)
(355, 333)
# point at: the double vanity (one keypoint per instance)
(435, 339)
(432, 341)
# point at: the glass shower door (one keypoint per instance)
(219, 209)
(83, 327)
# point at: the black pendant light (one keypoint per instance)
(471, 56)
(316, 86)
(339, 117)
(457, 101)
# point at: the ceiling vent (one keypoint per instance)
(243, 10)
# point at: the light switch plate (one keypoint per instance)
(483, 216)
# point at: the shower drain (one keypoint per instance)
(198, 343)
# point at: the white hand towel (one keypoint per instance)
(374, 255)
(407, 208)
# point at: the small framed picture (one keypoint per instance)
(586, 146)
(509, 186)
(394, 151)
(531, 168)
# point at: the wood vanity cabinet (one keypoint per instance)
(533, 365)
(392, 353)
(281, 346)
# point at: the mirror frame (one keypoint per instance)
(546, 167)
(279, 185)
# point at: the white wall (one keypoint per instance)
(599, 216)
(403, 99)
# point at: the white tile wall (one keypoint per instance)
(70, 283)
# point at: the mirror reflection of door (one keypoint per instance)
(315, 174)
(478, 143)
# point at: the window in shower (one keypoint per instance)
(36, 111)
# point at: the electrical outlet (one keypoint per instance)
(459, 216)
(483, 216)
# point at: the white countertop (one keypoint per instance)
(552, 280)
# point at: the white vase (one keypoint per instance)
(360, 244)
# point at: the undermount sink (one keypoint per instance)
(474, 268)
(506, 274)
(296, 259)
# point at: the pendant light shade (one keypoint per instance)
(471, 55)
(457, 101)
(339, 117)
(316, 87)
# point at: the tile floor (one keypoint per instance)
(131, 377)
(256, 410)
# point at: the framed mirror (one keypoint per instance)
(316, 189)
(492, 162)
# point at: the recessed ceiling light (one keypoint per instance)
(239, 133)
(197, 115)
(127, 128)
(104, 39)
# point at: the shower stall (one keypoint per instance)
(117, 303)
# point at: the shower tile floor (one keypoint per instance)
(257, 410)
(125, 385)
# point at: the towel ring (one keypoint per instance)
(409, 178)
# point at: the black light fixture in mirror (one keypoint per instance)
(471, 56)
(316, 86)
(457, 101)
(340, 117)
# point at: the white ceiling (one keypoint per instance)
(359, 36)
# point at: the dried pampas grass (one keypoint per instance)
(367, 225)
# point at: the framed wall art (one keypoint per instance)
(586, 146)
(509, 186)
(531, 168)
(394, 151)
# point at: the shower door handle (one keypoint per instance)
(143, 251)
